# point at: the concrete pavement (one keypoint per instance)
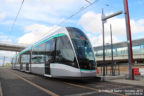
(13, 86)
(130, 82)
(16, 83)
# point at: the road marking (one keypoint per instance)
(90, 88)
(81, 94)
(41, 88)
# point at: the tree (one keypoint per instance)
(7, 64)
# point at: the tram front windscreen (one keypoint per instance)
(83, 49)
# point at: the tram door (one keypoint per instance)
(47, 67)
(21, 65)
(27, 67)
(27, 62)
(49, 57)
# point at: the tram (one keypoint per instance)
(64, 53)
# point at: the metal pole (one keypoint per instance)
(101, 68)
(112, 15)
(103, 45)
(106, 53)
(118, 69)
(3, 61)
(104, 18)
(112, 51)
(129, 41)
(15, 60)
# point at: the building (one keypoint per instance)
(120, 52)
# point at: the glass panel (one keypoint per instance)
(50, 50)
(83, 49)
(38, 54)
(25, 57)
(64, 52)
(50, 54)
(136, 50)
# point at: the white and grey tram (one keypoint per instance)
(65, 53)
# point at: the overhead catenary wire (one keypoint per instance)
(13, 24)
(71, 16)
(56, 26)
(80, 10)
(88, 1)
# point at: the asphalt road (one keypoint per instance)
(16, 83)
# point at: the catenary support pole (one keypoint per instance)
(103, 44)
(3, 61)
(112, 62)
(104, 18)
(129, 40)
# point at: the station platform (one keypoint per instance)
(123, 79)
(107, 77)
(131, 82)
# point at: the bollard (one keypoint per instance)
(133, 78)
(97, 71)
(135, 71)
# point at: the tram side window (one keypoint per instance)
(13, 61)
(64, 51)
(25, 58)
(50, 50)
(38, 54)
(19, 59)
(16, 59)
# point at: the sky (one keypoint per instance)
(38, 17)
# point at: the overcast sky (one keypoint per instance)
(37, 17)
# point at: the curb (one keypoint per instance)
(107, 78)
(130, 82)
(1, 93)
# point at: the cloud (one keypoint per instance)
(137, 26)
(5, 39)
(44, 1)
(7, 22)
(91, 22)
(50, 11)
(11, 1)
(35, 32)
(98, 40)
(8, 55)
(2, 16)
